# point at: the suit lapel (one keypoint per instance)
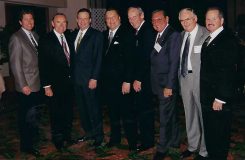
(25, 37)
(59, 47)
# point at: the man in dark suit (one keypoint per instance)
(193, 37)
(217, 84)
(88, 44)
(54, 65)
(164, 78)
(24, 66)
(142, 94)
(117, 78)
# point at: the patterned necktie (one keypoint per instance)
(184, 61)
(64, 45)
(33, 41)
(79, 40)
(158, 38)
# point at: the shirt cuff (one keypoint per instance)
(47, 86)
(220, 101)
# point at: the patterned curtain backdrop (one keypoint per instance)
(98, 20)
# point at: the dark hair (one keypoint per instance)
(221, 13)
(84, 10)
(23, 12)
(112, 9)
(58, 14)
(160, 10)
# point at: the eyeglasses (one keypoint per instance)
(186, 20)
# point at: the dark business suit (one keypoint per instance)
(144, 42)
(217, 80)
(164, 74)
(55, 71)
(87, 64)
(116, 69)
(24, 66)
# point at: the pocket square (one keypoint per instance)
(116, 42)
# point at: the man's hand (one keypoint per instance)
(48, 91)
(26, 90)
(137, 86)
(92, 84)
(167, 92)
(125, 88)
(217, 106)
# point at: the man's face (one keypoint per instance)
(188, 20)
(83, 20)
(213, 20)
(59, 23)
(27, 22)
(159, 21)
(112, 19)
(135, 17)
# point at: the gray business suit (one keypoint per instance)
(190, 91)
(24, 61)
(24, 66)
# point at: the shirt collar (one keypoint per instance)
(216, 32)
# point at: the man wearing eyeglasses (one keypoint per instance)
(164, 75)
(192, 38)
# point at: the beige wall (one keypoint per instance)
(50, 3)
(72, 7)
(69, 7)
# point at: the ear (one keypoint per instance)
(20, 23)
(167, 19)
(222, 21)
(52, 23)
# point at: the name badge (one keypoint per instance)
(157, 47)
(197, 49)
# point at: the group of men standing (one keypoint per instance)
(125, 69)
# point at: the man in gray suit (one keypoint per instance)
(24, 65)
(189, 73)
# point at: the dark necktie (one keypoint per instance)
(33, 41)
(205, 44)
(158, 38)
(64, 45)
(184, 61)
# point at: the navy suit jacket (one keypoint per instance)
(87, 59)
(165, 63)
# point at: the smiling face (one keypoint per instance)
(83, 20)
(112, 19)
(135, 17)
(213, 20)
(188, 20)
(59, 23)
(27, 22)
(159, 21)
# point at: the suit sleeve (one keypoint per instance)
(226, 70)
(128, 57)
(142, 55)
(44, 49)
(16, 61)
(97, 56)
(174, 53)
